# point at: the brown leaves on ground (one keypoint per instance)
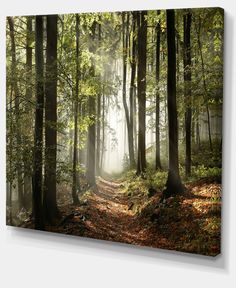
(188, 223)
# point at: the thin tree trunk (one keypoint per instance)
(158, 45)
(28, 96)
(173, 184)
(142, 63)
(103, 128)
(75, 183)
(38, 132)
(132, 90)
(98, 146)
(125, 33)
(187, 91)
(17, 112)
(50, 202)
(135, 122)
(91, 144)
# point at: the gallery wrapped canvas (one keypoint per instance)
(114, 126)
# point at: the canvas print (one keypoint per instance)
(114, 126)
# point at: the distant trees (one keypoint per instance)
(17, 95)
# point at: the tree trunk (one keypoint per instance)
(128, 116)
(98, 146)
(91, 147)
(103, 127)
(37, 178)
(50, 202)
(132, 90)
(75, 183)
(173, 184)
(158, 44)
(27, 129)
(142, 61)
(17, 112)
(187, 91)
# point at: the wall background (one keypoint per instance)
(36, 259)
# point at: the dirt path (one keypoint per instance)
(187, 223)
(107, 215)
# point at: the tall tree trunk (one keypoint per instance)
(98, 145)
(132, 89)
(173, 185)
(187, 91)
(50, 202)
(158, 45)
(28, 96)
(37, 178)
(128, 116)
(142, 63)
(91, 144)
(17, 112)
(75, 183)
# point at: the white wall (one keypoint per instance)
(34, 259)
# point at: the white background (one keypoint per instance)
(36, 259)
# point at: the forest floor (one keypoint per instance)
(188, 223)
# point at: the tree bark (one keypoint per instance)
(75, 183)
(98, 146)
(128, 116)
(91, 144)
(173, 184)
(158, 45)
(142, 62)
(37, 178)
(187, 91)
(132, 90)
(50, 202)
(27, 129)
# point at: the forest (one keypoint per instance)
(114, 126)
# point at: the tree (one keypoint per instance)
(27, 129)
(133, 64)
(37, 178)
(90, 169)
(128, 115)
(158, 46)
(173, 184)
(50, 203)
(187, 91)
(98, 144)
(76, 184)
(142, 62)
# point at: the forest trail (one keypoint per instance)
(107, 214)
